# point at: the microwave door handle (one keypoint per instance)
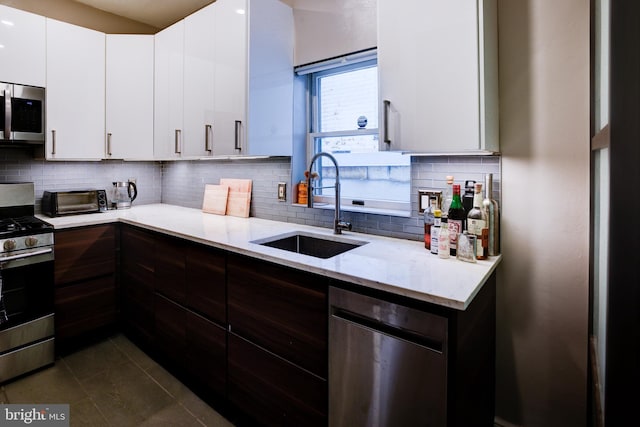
(7, 114)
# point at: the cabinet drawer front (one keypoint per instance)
(273, 391)
(137, 250)
(207, 353)
(84, 253)
(86, 306)
(206, 286)
(170, 277)
(171, 330)
(282, 310)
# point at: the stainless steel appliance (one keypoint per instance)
(125, 192)
(26, 284)
(22, 113)
(73, 202)
(387, 363)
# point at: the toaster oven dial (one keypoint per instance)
(30, 241)
(9, 245)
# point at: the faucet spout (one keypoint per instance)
(338, 223)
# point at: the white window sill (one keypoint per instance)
(361, 209)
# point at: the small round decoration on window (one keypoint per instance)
(362, 122)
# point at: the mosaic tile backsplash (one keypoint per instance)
(182, 183)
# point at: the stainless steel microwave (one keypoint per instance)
(22, 113)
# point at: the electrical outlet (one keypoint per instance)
(282, 191)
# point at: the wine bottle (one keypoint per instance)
(443, 239)
(477, 224)
(447, 196)
(435, 231)
(429, 219)
(456, 219)
(492, 211)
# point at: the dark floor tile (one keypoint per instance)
(55, 384)
(167, 381)
(3, 396)
(132, 351)
(93, 360)
(203, 412)
(126, 396)
(86, 413)
(172, 416)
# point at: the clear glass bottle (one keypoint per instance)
(447, 196)
(429, 219)
(435, 231)
(456, 219)
(443, 239)
(492, 211)
(477, 224)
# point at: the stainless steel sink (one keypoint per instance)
(315, 245)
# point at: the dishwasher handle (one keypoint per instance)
(387, 329)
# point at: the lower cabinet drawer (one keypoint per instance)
(207, 354)
(272, 391)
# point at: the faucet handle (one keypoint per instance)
(342, 225)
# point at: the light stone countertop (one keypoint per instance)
(399, 266)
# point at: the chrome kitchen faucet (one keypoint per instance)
(338, 224)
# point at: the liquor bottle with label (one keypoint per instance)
(492, 211)
(443, 239)
(435, 231)
(447, 196)
(429, 219)
(467, 197)
(477, 224)
(456, 219)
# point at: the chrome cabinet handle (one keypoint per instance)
(109, 153)
(178, 142)
(7, 113)
(207, 138)
(53, 142)
(238, 145)
(385, 119)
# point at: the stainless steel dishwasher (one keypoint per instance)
(387, 363)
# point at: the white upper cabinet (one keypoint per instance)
(22, 47)
(129, 97)
(437, 63)
(271, 49)
(168, 92)
(75, 64)
(215, 63)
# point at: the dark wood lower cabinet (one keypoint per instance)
(272, 391)
(171, 332)
(206, 356)
(86, 303)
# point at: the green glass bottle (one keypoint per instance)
(457, 217)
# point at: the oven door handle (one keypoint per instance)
(27, 255)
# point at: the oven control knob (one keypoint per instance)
(9, 245)
(31, 241)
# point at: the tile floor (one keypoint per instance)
(114, 383)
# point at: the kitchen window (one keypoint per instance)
(343, 113)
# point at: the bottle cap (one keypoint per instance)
(456, 188)
(437, 213)
(449, 179)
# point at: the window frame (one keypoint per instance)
(316, 72)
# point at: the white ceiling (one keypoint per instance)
(157, 13)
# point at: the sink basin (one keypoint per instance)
(315, 245)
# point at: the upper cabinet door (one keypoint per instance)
(75, 92)
(169, 93)
(438, 75)
(215, 63)
(199, 80)
(23, 44)
(271, 47)
(230, 76)
(129, 97)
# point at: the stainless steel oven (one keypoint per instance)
(26, 284)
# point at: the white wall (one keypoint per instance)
(328, 28)
(543, 283)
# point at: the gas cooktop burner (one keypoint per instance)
(22, 226)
